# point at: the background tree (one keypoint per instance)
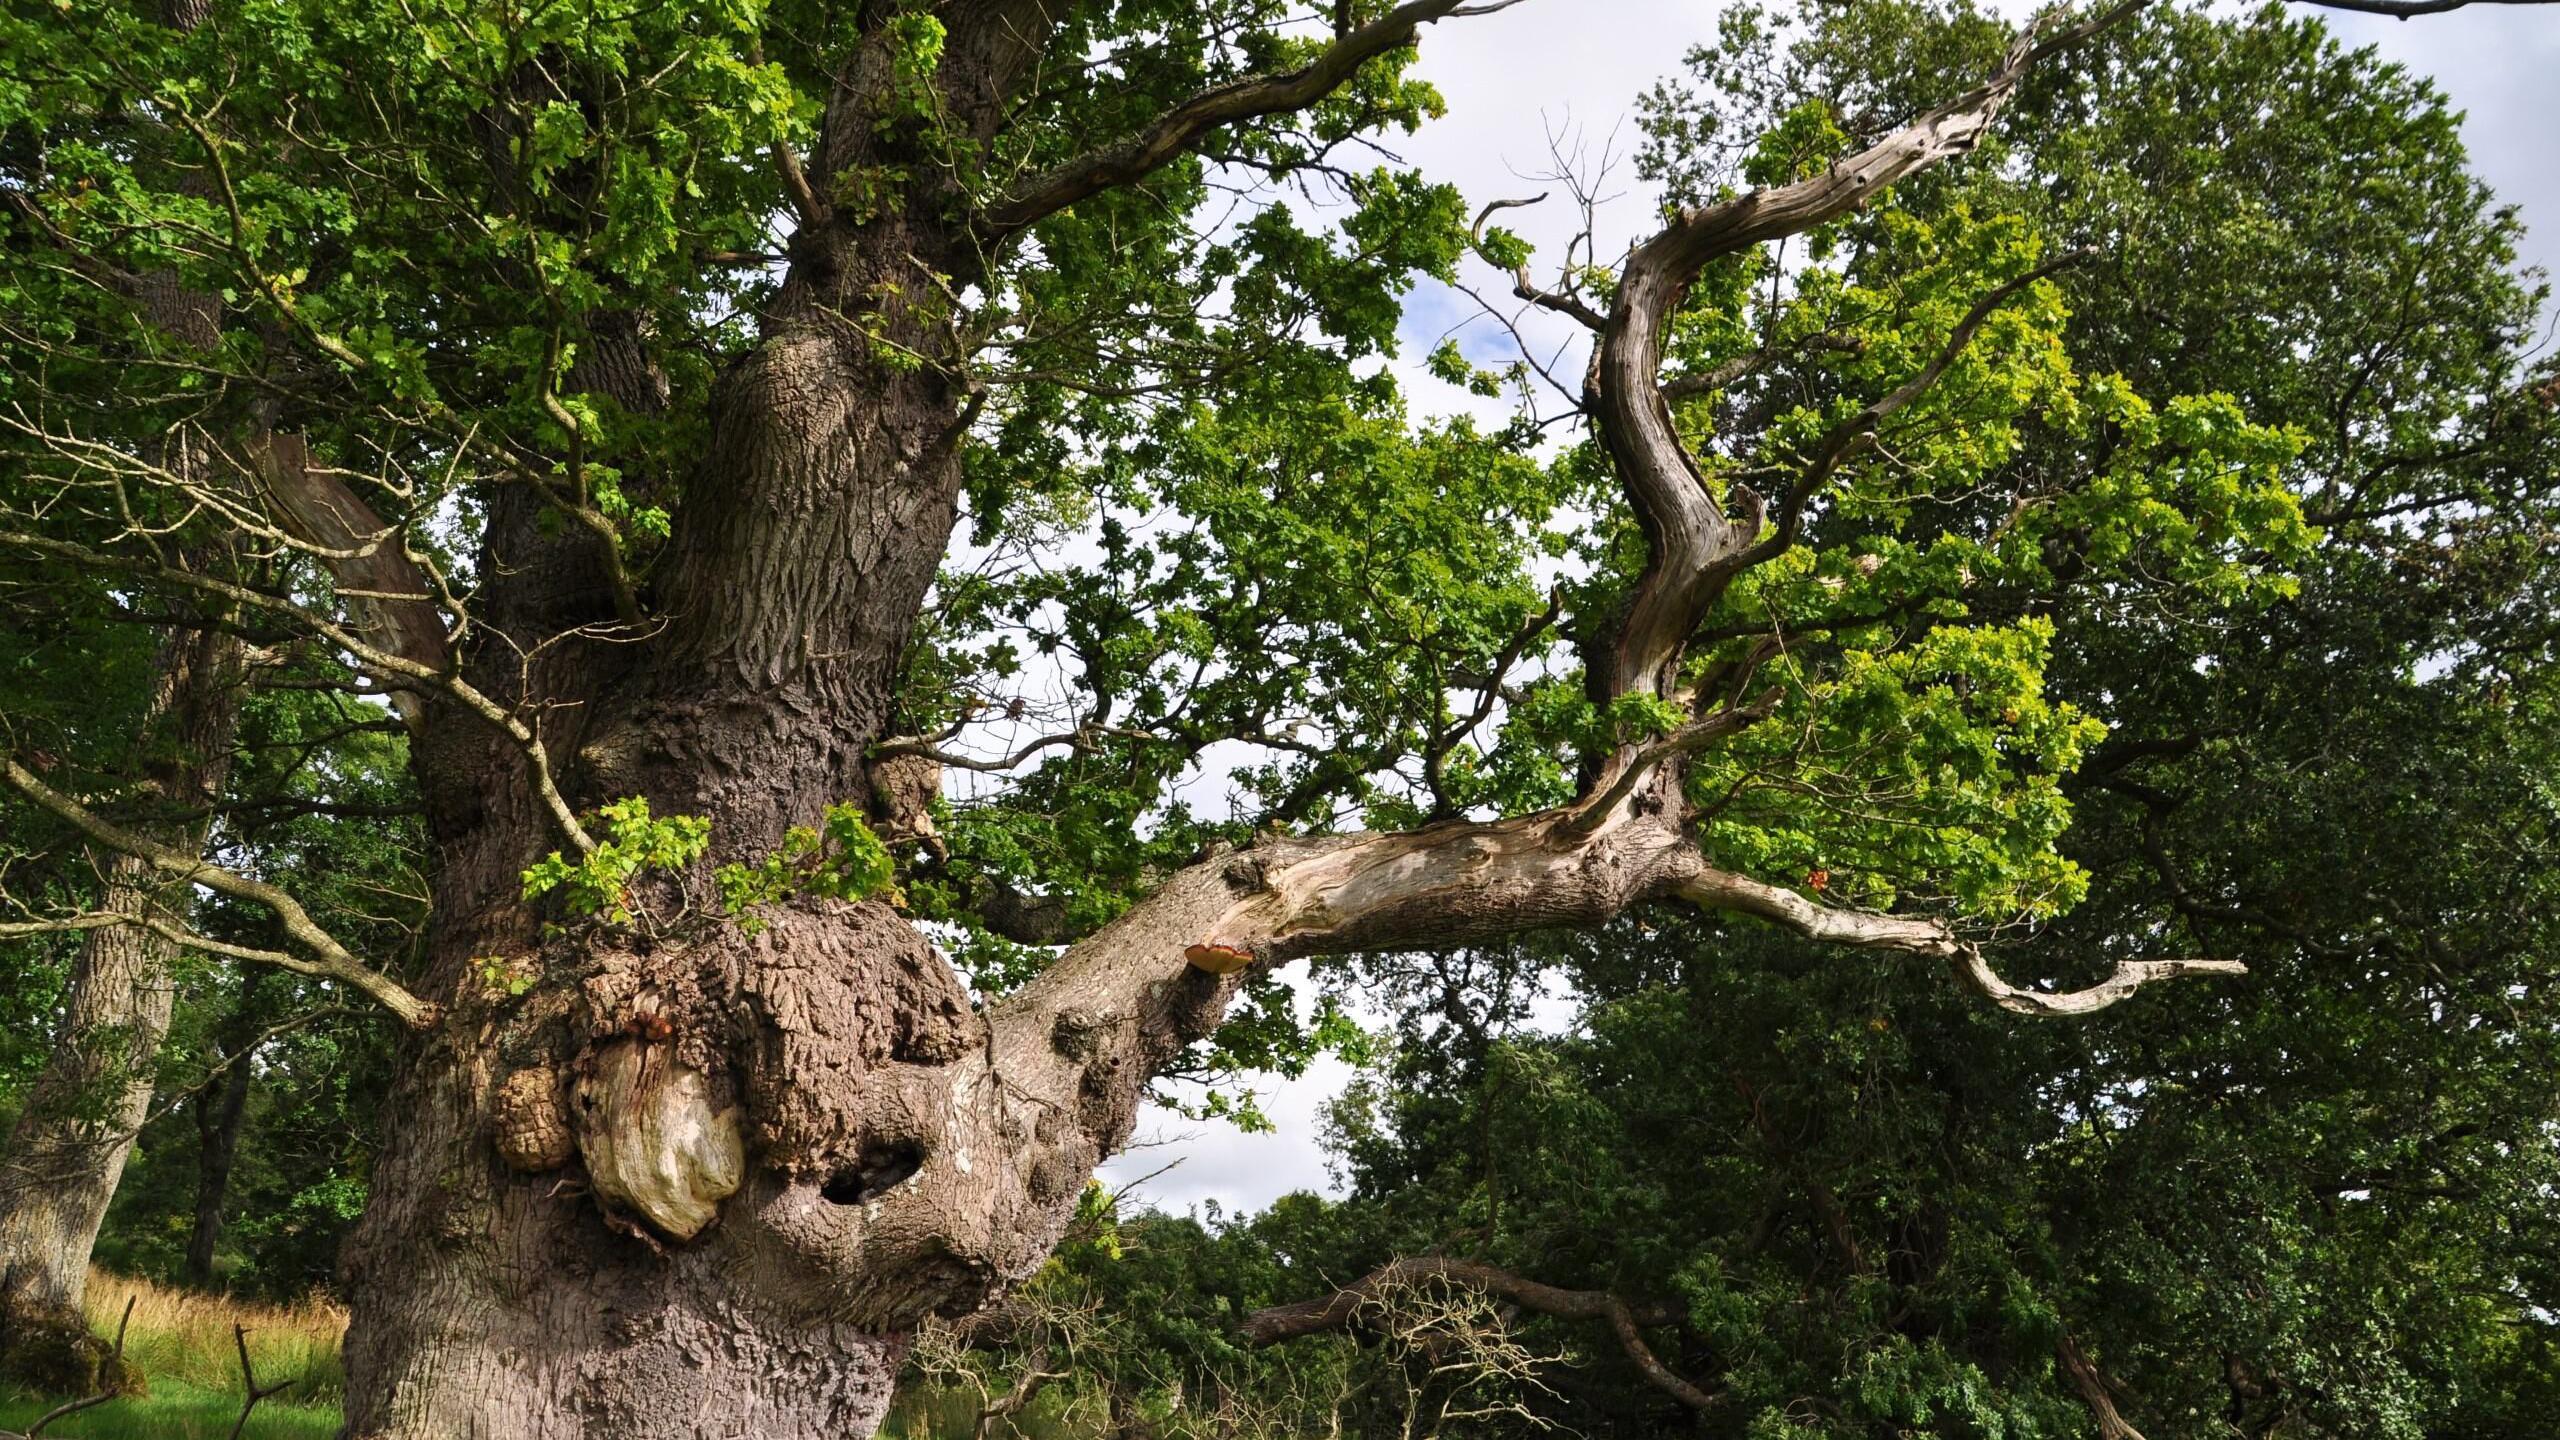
(1842, 1205)
(604, 391)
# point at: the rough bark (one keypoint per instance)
(490, 1301)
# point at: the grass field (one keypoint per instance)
(183, 1343)
(176, 1410)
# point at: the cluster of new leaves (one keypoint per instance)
(598, 883)
(840, 860)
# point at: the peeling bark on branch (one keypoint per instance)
(1117, 1007)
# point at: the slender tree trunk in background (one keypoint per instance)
(68, 1148)
(67, 1151)
(218, 1110)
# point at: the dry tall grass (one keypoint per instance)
(183, 1335)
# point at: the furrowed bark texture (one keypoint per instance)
(67, 1151)
(809, 1085)
(698, 1180)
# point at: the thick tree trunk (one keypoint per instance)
(500, 1292)
(695, 1182)
(68, 1149)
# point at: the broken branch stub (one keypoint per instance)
(654, 1144)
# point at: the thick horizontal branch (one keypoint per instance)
(2130, 975)
(1173, 133)
(1123, 1004)
(331, 960)
(1374, 1296)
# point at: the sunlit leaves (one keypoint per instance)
(598, 884)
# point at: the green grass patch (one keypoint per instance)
(175, 1410)
(185, 1336)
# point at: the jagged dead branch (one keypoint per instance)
(1374, 1300)
(1106, 1012)
(1030, 1330)
(1695, 547)
(251, 1391)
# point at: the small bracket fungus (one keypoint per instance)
(1217, 959)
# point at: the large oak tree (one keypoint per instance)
(605, 388)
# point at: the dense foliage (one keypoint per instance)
(2198, 601)
(2318, 1202)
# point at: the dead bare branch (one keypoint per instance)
(333, 961)
(1359, 1301)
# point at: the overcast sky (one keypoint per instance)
(1575, 67)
